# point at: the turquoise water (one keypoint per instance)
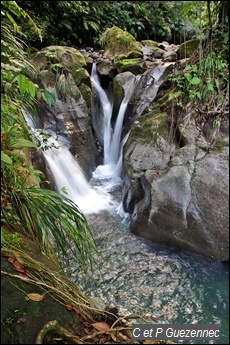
(142, 278)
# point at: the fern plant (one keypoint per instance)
(49, 218)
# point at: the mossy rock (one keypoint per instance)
(151, 128)
(69, 57)
(187, 48)
(132, 65)
(81, 75)
(119, 57)
(118, 92)
(116, 41)
(134, 54)
(149, 43)
(153, 48)
(86, 93)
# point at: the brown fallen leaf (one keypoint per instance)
(101, 326)
(81, 319)
(36, 297)
(76, 311)
(151, 342)
(18, 266)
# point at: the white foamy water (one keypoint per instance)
(71, 182)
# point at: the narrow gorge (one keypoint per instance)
(118, 163)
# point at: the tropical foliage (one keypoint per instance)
(203, 85)
(44, 215)
(80, 23)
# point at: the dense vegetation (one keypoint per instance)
(40, 213)
(27, 25)
(80, 23)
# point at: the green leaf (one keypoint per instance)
(31, 89)
(85, 25)
(22, 83)
(5, 158)
(26, 85)
(49, 97)
(210, 87)
(19, 142)
(188, 76)
(195, 81)
(68, 26)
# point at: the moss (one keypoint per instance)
(51, 57)
(132, 65)
(153, 126)
(157, 50)
(119, 57)
(10, 239)
(81, 75)
(118, 93)
(86, 93)
(147, 43)
(134, 54)
(163, 102)
(116, 41)
(57, 68)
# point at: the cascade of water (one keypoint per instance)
(107, 113)
(69, 177)
(112, 137)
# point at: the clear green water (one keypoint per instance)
(142, 278)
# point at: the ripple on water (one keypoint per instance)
(142, 278)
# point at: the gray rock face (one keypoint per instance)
(68, 119)
(184, 193)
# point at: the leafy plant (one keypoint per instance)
(201, 82)
(8, 321)
(50, 218)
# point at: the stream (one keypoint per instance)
(132, 273)
(145, 278)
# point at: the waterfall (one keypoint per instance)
(111, 136)
(95, 195)
(106, 112)
(69, 177)
(70, 181)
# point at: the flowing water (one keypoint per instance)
(137, 276)
(143, 278)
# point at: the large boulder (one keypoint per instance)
(177, 192)
(117, 41)
(64, 73)
(69, 57)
